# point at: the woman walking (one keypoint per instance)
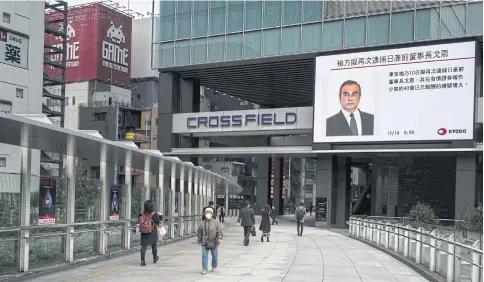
(209, 237)
(149, 221)
(265, 224)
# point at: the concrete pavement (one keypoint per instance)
(319, 255)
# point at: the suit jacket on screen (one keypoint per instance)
(337, 125)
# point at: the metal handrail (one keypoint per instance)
(399, 231)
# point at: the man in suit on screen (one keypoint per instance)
(350, 121)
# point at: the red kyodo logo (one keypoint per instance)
(444, 131)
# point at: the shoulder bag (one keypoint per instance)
(209, 244)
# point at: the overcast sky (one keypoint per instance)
(138, 6)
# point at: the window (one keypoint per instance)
(402, 27)
(3, 162)
(272, 42)
(253, 15)
(167, 20)
(252, 43)
(217, 17)
(6, 17)
(453, 21)
(100, 116)
(199, 51)
(292, 12)
(235, 20)
(312, 11)
(216, 46)
(427, 21)
(182, 52)
(74, 100)
(333, 35)
(311, 37)
(19, 93)
(355, 33)
(272, 13)
(183, 19)
(235, 45)
(474, 18)
(378, 29)
(167, 54)
(291, 39)
(66, 101)
(200, 18)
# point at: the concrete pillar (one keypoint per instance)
(25, 190)
(147, 178)
(465, 184)
(181, 200)
(70, 167)
(262, 191)
(128, 188)
(104, 201)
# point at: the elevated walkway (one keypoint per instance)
(319, 255)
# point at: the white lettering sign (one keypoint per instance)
(13, 49)
(114, 56)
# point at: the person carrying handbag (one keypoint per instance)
(209, 236)
(149, 222)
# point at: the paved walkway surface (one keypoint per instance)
(319, 255)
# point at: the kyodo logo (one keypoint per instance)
(445, 131)
(111, 49)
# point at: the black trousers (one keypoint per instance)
(247, 230)
(221, 218)
(300, 227)
(154, 250)
(274, 220)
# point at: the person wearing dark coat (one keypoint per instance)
(265, 224)
(150, 239)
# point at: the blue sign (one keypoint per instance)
(241, 120)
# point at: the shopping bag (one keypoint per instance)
(253, 232)
(161, 232)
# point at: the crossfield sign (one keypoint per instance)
(239, 120)
(13, 49)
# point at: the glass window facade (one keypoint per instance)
(233, 30)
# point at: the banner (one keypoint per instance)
(114, 206)
(408, 94)
(47, 193)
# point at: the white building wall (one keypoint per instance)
(76, 96)
(141, 48)
(27, 19)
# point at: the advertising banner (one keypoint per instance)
(114, 206)
(406, 94)
(47, 200)
(98, 45)
(14, 49)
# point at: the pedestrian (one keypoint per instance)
(247, 220)
(300, 213)
(311, 210)
(265, 224)
(210, 205)
(273, 215)
(209, 235)
(149, 221)
(221, 213)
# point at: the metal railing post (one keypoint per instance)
(450, 259)
(357, 223)
(387, 235)
(433, 250)
(378, 234)
(371, 231)
(418, 245)
(406, 240)
(397, 237)
(476, 259)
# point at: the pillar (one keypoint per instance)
(196, 191)
(70, 167)
(25, 170)
(181, 200)
(189, 204)
(226, 197)
(147, 178)
(204, 189)
(172, 196)
(104, 202)
(465, 184)
(161, 192)
(127, 201)
(261, 192)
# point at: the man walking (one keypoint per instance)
(300, 213)
(247, 220)
(221, 213)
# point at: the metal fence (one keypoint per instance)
(449, 255)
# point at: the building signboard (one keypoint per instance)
(405, 94)
(98, 45)
(14, 49)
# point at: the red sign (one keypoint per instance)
(98, 45)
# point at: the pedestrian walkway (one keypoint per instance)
(319, 255)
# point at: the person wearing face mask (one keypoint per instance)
(209, 236)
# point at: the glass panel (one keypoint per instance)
(216, 48)
(272, 42)
(199, 51)
(235, 45)
(272, 13)
(200, 18)
(182, 52)
(377, 7)
(453, 21)
(334, 9)
(167, 20)
(291, 39)
(474, 20)
(217, 17)
(312, 11)
(402, 27)
(252, 44)
(403, 5)
(355, 8)
(235, 16)
(167, 54)
(311, 37)
(333, 35)
(183, 19)
(253, 15)
(427, 21)
(292, 12)
(378, 29)
(355, 33)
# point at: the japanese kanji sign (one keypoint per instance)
(13, 49)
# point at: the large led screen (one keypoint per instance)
(405, 94)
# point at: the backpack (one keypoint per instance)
(299, 214)
(146, 223)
